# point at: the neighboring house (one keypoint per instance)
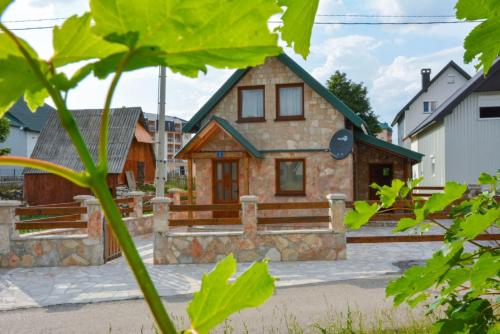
(386, 133)
(25, 127)
(266, 132)
(432, 94)
(461, 138)
(130, 149)
(174, 140)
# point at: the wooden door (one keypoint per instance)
(140, 172)
(225, 185)
(380, 174)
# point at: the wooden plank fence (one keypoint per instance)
(58, 217)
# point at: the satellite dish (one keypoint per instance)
(341, 144)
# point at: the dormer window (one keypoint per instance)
(290, 102)
(451, 79)
(429, 106)
(251, 104)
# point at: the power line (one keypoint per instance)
(36, 20)
(375, 16)
(33, 28)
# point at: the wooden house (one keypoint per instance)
(130, 149)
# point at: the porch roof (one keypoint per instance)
(206, 133)
(396, 149)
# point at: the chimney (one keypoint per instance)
(426, 78)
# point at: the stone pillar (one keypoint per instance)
(176, 195)
(337, 212)
(7, 225)
(249, 215)
(95, 221)
(160, 213)
(137, 203)
(81, 200)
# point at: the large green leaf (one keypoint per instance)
(74, 41)
(360, 215)
(483, 41)
(439, 201)
(192, 34)
(4, 4)
(298, 35)
(477, 223)
(218, 299)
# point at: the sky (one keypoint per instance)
(387, 59)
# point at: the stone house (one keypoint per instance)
(266, 132)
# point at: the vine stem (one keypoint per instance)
(98, 184)
(78, 178)
(104, 130)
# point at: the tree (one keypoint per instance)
(4, 133)
(355, 96)
(186, 36)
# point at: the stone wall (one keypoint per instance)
(250, 244)
(63, 247)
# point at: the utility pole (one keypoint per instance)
(161, 159)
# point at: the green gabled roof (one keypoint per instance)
(388, 146)
(234, 133)
(194, 123)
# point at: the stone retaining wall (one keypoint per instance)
(249, 244)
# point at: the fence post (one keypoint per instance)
(7, 225)
(137, 203)
(176, 195)
(160, 213)
(81, 200)
(249, 215)
(337, 212)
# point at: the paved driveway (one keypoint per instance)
(36, 287)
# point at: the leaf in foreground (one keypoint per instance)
(360, 215)
(218, 299)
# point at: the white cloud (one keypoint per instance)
(352, 54)
(387, 7)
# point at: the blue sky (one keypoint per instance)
(387, 59)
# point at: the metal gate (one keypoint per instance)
(112, 249)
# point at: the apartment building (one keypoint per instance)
(174, 140)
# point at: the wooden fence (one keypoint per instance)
(64, 215)
(293, 219)
(190, 208)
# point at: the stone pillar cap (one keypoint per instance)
(175, 190)
(336, 196)
(161, 200)
(10, 203)
(82, 197)
(248, 198)
(136, 193)
(92, 201)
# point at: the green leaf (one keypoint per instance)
(218, 299)
(483, 42)
(74, 41)
(388, 195)
(192, 34)
(17, 78)
(439, 201)
(487, 266)
(477, 223)
(4, 4)
(487, 179)
(360, 215)
(298, 35)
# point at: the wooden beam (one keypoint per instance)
(293, 205)
(213, 155)
(290, 220)
(204, 221)
(41, 211)
(190, 185)
(50, 225)
(205, 207)
(409, 238)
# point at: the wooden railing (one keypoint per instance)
(176, 222)
(50, 217)
(293, 219)
(428, 191)
(125, 205)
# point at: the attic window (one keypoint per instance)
(451, 79)
(251, 104)
(429, 106)
(489, 112)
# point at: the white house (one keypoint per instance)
(25, 127)
(461, 138)
(432, 94)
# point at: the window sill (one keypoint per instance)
(286, 119)
(289, 194)
(251, 120)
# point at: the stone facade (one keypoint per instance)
(279, 139)
(250, 243)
